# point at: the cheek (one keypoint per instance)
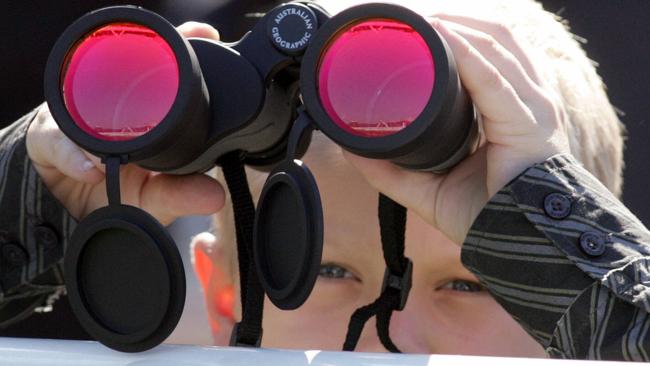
(321, 323)
(477, 325)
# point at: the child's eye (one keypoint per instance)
(335, 271)
(462, 285)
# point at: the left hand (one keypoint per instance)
(77, 179)
(523, 125)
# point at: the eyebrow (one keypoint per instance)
(359, 249)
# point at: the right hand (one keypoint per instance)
(76, 178)
(524, 124)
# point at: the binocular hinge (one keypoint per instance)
(300, 135)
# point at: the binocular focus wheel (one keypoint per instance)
(288, 237)
(125, 278)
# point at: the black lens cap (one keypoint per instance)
(288, 237)
(125, 278)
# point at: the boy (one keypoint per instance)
(540, 101)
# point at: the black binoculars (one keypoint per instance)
(123, 84)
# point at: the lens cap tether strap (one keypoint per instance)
(288, 242)
(124, 274)
(248, 332)
(397, 278)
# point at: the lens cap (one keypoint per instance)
(288, 237)
(125, 278)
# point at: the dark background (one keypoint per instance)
(618, 34)
(618, 38)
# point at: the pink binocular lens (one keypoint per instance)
(376, 77)
(120, 81)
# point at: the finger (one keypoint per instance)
(168, 197)
(71, 161)
(415, 190)
(198, 30)
(51, 150)
(96, 161)
(504, 36)
(491, 92)
(504, 61)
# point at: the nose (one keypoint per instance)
(369, 341)
(410, 330)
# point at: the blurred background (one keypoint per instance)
(618, 39)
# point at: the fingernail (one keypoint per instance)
(87, 165)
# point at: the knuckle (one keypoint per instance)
(551, 111)
(502, 31)
(464, 51)
(490, 44)
(41, 124)
(491, 79)
(548, 106)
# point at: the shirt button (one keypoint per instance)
(637, 289)
(592, 243)
(557, 205)
(14, 255)
(620, 278)
(46, 237)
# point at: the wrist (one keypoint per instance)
(513, 161)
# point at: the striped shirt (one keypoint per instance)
(554, 247)
(568, 261)
(34, 228)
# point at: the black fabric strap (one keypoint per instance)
(397, 279)
(248, 332)
(113, 164)
(358, 321)
(383, 321)
(392, 225)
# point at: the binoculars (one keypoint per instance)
(123, 84)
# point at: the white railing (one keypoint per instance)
(41, 352)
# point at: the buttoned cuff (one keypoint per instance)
(548, 235)
(34, 226)
(590, 226)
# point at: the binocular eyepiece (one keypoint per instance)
(123, 84)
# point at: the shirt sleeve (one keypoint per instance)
(568, 261)
(34, 229)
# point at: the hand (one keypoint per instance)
(76, 178)
(523, 125)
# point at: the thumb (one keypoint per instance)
(415, 190)
(53, 153)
